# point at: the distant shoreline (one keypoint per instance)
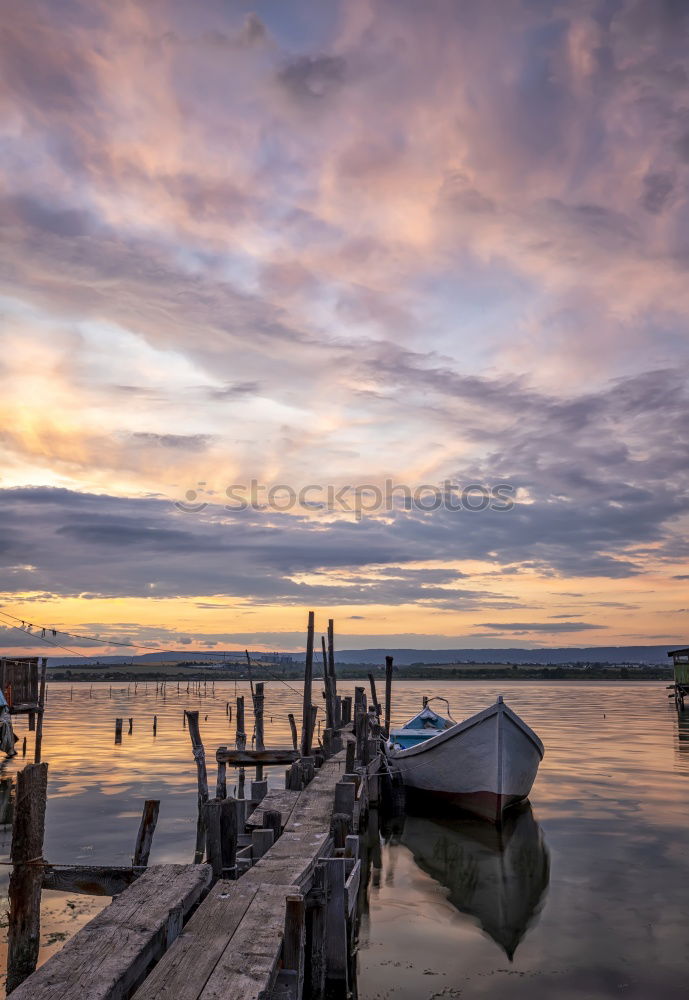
(139, 674)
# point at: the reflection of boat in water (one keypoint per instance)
(499, 876)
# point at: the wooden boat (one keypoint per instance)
(497, 876)
(483, 765)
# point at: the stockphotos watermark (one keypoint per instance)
(360, 500)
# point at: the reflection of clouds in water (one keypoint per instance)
(610, 797)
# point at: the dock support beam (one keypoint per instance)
(27, 874)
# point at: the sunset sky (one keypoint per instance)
(335, 243)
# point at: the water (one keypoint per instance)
(587, 893)
(598, 894)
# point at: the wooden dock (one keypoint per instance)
(268, 910)
(271, 914)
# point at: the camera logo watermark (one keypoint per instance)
(360, 500)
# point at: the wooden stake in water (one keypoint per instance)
(327, 685)
(144, 838)
(41, 711)
(308, 675)
(240, 743)
(293, 728)
(388, 693)
(258, 715)
(201, 780)
(337, 720)
(27, 874)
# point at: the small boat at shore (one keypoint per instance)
(483, 765)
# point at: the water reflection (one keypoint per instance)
(497, 876)
(683, 732)
(6, 786)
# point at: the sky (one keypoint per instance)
(335, 245)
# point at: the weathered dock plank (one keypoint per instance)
(282, 800)
(111, 955)
(252, 758)
(248, 964)
(186, 968)
(91, 880)
(231, 945)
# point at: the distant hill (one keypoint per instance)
(539, 656)
(656, 655)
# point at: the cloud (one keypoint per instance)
(313, 77)
(549, 627)
(335, 245)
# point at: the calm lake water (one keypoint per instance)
(586, 895)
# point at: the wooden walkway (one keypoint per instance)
(111, 955)
(282, 929)
(233, 944)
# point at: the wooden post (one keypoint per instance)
(27, 874)
(240, 743)
(327, 685)
(331, 664)
(318, 932)
(340, 828)
(359, 697)
(272, 820)
(374, 696)
(336, 922)
(211, 812)
(312, 727)
(350, 755)
(388, 694)
(346, 710)
(155, 724)
(345, 797)
(261, 842)
(258, 714)
(41, 711)
(229, 824)
(258, 700)
(293, 728)
(221, 781)
(360, 723)
(308, 674)
(144, 838)
(131, 726)
(201, 780)
(118, 730)
(294, 939)
(259, 790)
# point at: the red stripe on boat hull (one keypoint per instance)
(487, 805)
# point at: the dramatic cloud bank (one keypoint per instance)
(334, 243)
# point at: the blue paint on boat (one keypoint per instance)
(424, 725)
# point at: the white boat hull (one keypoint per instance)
(483, 765)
